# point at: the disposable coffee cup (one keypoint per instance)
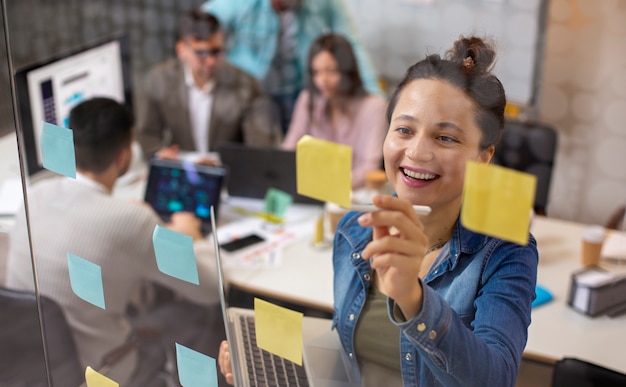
(591, 248)
(334, 213)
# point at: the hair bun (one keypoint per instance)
(474, 54)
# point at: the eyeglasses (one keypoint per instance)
(209, 52)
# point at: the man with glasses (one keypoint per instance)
(197, 101)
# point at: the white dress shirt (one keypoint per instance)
(200, 105)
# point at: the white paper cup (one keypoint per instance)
(591, 247)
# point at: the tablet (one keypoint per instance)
(175, 186)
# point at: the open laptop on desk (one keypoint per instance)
(252, 171)
(175, 186)
(325, 363)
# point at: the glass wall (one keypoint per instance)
(36, 32)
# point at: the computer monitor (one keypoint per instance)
(48, 89)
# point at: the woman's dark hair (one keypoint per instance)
(340, 48)
(102, 127)
(467, 66)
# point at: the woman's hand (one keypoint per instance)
(397, 250)
(224, 362)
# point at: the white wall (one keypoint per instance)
(583, 88)
(397, 33)
(584, 95)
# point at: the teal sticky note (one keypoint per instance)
(195, 368)
(277, 202)
(57, 150)
(86, 280)
(174, 254)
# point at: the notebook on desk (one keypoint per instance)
(324, 361)
(175, 186)
(252, 171)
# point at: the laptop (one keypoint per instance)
(325, 363)
(252, 170)
(175, 186)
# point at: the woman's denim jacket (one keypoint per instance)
(472, 328)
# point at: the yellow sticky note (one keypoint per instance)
(497, 201)
(324, 170)
(95, 379)
(278, 330)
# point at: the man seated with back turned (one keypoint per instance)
(81, 217)
(197, 101)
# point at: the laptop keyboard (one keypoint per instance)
(264, 368)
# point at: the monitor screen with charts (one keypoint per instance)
(48, 89)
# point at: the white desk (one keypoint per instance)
(305, 273)
(305, 277)
(557, 330)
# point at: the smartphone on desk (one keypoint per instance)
(242, 242)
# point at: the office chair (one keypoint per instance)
(570, 372)
(617, 221)
(22, 360)
(529, 147)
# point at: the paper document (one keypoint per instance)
(10, 196)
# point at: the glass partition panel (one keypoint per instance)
(22, 359)
(50, 51)
(54, 55)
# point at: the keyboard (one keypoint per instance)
(264, 368)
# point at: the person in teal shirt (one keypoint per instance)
(270, 40)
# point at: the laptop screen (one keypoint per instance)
(175, 186)
(253, 170)
(230, 335)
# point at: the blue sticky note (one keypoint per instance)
(57, 150)
(174, 254)
(86, 280)
(195, 368)
(543, 296)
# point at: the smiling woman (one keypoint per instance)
(459, 302)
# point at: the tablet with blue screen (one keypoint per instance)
(175, 186)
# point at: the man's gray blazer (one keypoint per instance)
(241, 112)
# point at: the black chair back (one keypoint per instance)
(22, 358)
(570, 372)
(529, 147)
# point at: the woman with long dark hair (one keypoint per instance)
(336, 107)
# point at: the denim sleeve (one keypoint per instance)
(486, 352)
